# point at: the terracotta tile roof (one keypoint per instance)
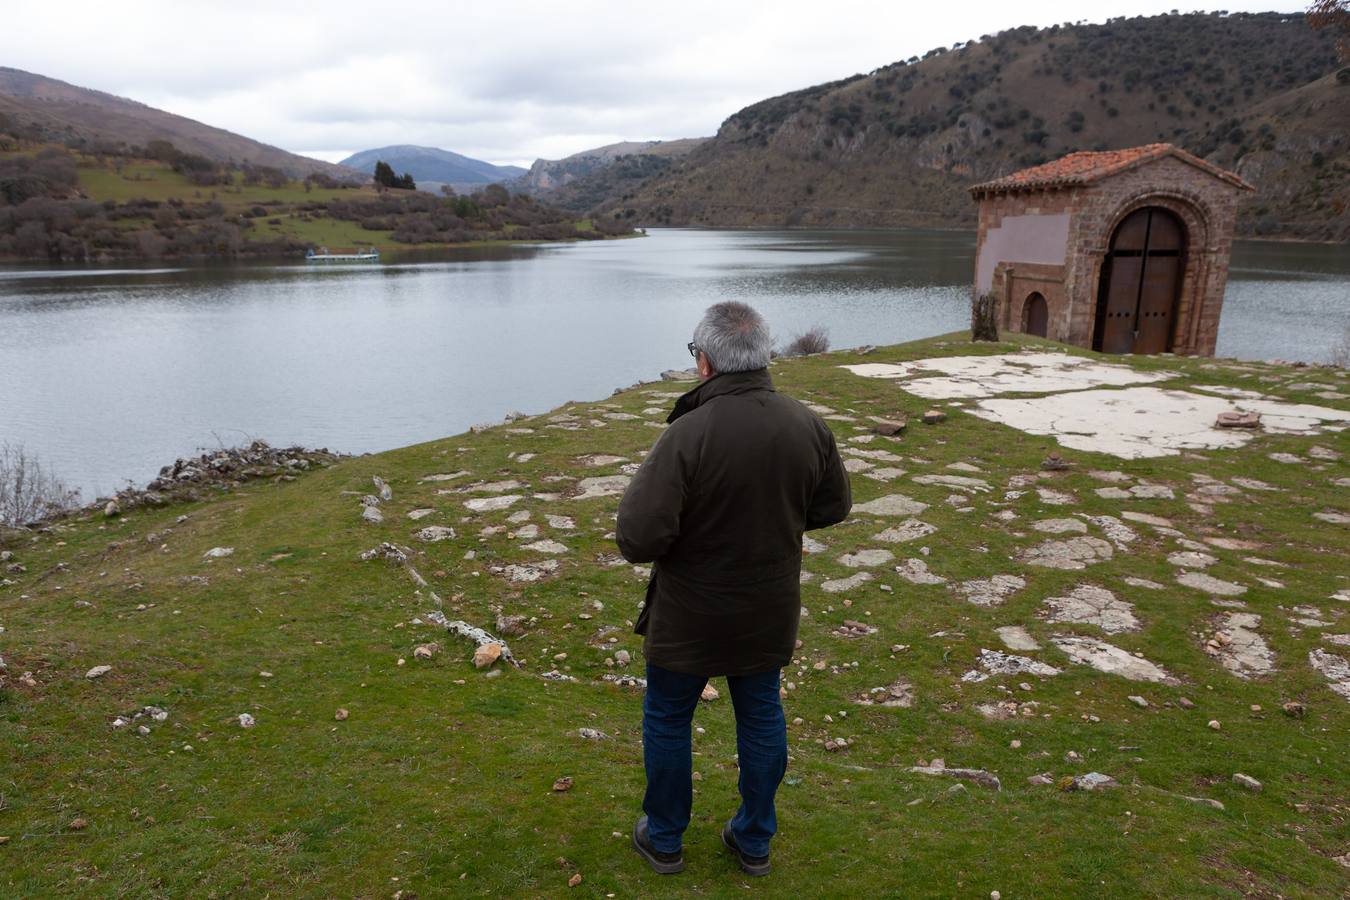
(1088, 166)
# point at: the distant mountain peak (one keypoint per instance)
(433, 165)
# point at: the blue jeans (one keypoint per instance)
(761, 742)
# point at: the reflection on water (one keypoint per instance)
(108, 374)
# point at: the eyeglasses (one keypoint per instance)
(693, 350)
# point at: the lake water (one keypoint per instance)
(107, 374)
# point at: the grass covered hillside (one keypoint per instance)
(900, 145)
(162, 203)
(378, 761)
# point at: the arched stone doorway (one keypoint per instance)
(1035, 315)
(1140, 281)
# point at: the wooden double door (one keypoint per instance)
(1141, 278)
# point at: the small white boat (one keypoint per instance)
(360, 256)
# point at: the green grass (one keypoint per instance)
(446, 786)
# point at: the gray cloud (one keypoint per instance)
(507, 82)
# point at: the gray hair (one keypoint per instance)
(734, 337)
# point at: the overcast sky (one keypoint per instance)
(500, 80)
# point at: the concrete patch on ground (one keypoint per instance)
(987, 376)
(1335, 668)
(1145, 422)
(1237, 646)
(1072, 553)
(1111, 659)
(1088, 604)
(1016, 637)
(908, 530)
(891, 505)
(990, 591)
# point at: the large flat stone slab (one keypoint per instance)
(1145, 422)
(891, 505)
(1088, 604)
(1238, 647)
(961, 377)
(1111, 659)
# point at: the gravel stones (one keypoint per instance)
(1111, 659)
(1088, 604)
(991, 591)
(891, 505)
(1073, 553)
(1238, 647)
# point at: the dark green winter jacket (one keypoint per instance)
(719, 505)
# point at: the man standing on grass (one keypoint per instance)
(719, 505)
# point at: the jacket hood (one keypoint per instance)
(720, 385)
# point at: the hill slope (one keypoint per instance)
(432, 164)
(367, 762)
(901, 144)
(44, 109)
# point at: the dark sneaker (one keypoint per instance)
(661, 863)
(750, 865)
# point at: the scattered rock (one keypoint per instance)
(1202, 582)
(426, 651)
(839, 585)
(1015, 637)
(1108, 658)
(978, 776)
(1239, 648)
(97, 672)
(246, 721)
(591, 734)
(1238, 419)
(908, 530)
(602, 486)
(1093, 781)
(1334, 668)
(491, 504)
(1191, 559)
(996, 662)
(486, 654)
(899, 694)
(341, 715)
(1061, 526)
(890, 427)
(891, 505)
(1072, 553)
(1293, 709)
(218, 552)
(915, 571)
(1088, 604)
(563, 784)
(1247, 781)
(990, 591)
(934, 416)
(372, 515)
(1138, 701)
(866, 558)
(434, 533)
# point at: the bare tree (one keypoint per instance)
(28, 493)
(1333, 15)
